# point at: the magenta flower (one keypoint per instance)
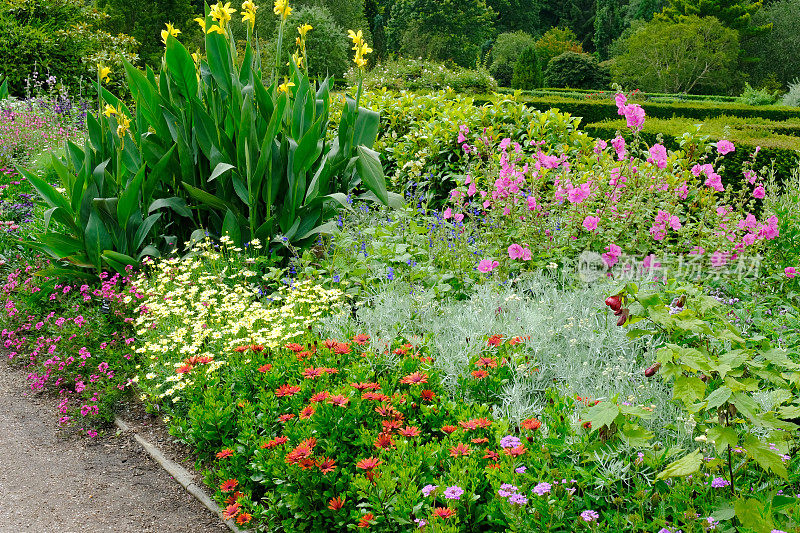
(619, 146)
(621, 101)
(759, 192)
(725, 147)
(634, 115)
(453, 493)
(790, 272)
(658, 155)
(590, 223)
(447, 213)
(487, 265)
(590, 516)
(427, 489)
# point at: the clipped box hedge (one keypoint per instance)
(775, 146)
(592, 111)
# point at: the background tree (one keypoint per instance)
(516, 15)
(779, 50)
(577, 71)
(507, 49)
(609, 22)
(555, 42)
(693, 55)
(527, 70)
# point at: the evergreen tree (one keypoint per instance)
(734, 14)
(516, 15)
(609, 22)
(527, 71)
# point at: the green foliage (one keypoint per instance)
(756, 97)
(527, 70)
(440, 30)
(734, 14)
(516, 15)
(792, 97)
(571, 69)
(609, 21)
(61, 38)
(779, 49)
(419, 75)
(693, 54)
(555, 42)
(507, 49)
(3, 87)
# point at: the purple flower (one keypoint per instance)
(590, 516)
(712, 524)
(518, 499)
(427, 489)
(542, 488)
(719, 482)
(453, 493)
(509, 441)
(420, 522)
(520, 470)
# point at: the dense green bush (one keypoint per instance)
(555, 42)
(571, 69)
(751, 96)
(792, 98)
(416, 74)
(527, 71)
(779, 49)
(60, 38)
(507, 50)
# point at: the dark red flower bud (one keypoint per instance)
(614, 302)
(623, 317)
(650, 372)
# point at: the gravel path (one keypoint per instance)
(53, 484)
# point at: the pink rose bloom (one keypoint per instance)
(634, 115)
(612, 256)
(725, 147)
(577, 195)
(447, 213)
(759, 192)
(471, 190)
(658, 153)
(715, 182)
(487, 265)
(790, 272)
(590, 223)
(526, 254)
(674, 222)
(515, 251)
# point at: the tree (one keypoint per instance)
(527, 70)
(609, 22)
(734, 14)
(516, 15)
(441, 30)
(780, 49)
(643, 10)
(577, 71)
(555, 42)
(507, 49)
(691, 55)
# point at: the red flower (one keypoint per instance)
(449, 429)
(240, 349)
(334, 504)
(293, 346)
(365, 386)
(491, 455)
(274, 442)
(311, 372)
(383, 441)
(320, 396)
(265, 368)
(400, 351)
(230, 500)
(361, 339)
(443, 512)
(415, 379)
(475, 423)
(482, 440)
(285, 418)
(495, 340)
(365, 520)
(227, 452)
(229, 485)
(368, 464)
(306, 412)
(257, 348)
(331, 344)
(531, 424)
(338, 400)
(490, 362)
(301, 451)
(230, 511)
(303, 355)
(390, 425)
(378, 396)
(427, 395)
(409, 431)
(516, 340)
(287, 390)
(479, 374)
(326, 465)
(307, 464)
(341, 348)
(244, 518)
(587, 425)
(460, 450)
(516, 452)
(493, 465)
(330, 370)
(387, 411)
(185, 369)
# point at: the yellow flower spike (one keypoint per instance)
(304, 29)
(249, 16)
(222, 13)
(110, 110)
(284, 87)
(216, 29)
(282, 8)
(171, 30)
(357, 38)
(123, 125)
(104, 72)
(298, 59)
(202, 22)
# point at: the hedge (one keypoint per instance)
(593, 111)
(782, 149)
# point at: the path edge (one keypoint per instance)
(180, 474)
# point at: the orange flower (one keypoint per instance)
(294, 347)
(390, 425)
(491, 455)
(415, 379)
(443, 512)
(516, 452)
(307, 464)
(287, 390)
(227, 452)
(185, 369)
(400, 351)
(449, 429)
(516, 340)
(330, 370)
(365, 520)
(233, 497)
(326, 465)
(482, 440)
(306, 412)
(495, 340)
(257, 348)
(427, 395)
(334, 504)
(490, 362)
(369, 463)
(365, 386)
(320, 397)
(311, 372)
(240, 349)
(383, 441)
(274, 442)
(229, 485)
(361, 339)
(475, 423)
(338, 400)
(460, 450)
(244, 518)
(285, 418)
(587, 425)
(479, 374)
(331, 344)
(265, 368)
(409, 431)
(230, 511)
(341, 348)
(531, 424)
(377, 396)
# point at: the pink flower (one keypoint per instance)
(621, 100)
(725, 147)
(458, 217)
(532, 203)
(515, 251)
(577, 195)
(715, 182)
(790, 272)
(611, 258)
(487, 265)
(447, 213)
(619, 146)
(590, 223)
(682, 191)
(658, 155)
(634, 115)
(599, 146)
(759, 192)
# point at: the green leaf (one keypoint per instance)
(178, 205)
(371, 173)
(718, 397)
(143, 230)
(230, 227)
(723, 436)
(129, 199)
(602, 414)
(52, 197)
(366, 128)
(688, 389)
(765, 457)
(635, 435)
(754, 515)
(684, 466)
(96, 238)
(219, 170)
(180, 66)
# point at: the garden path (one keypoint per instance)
(53, 484)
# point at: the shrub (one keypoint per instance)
(571, 69)
(555, 42)
(792, 97)
(506, 51)
(693, 55)
(752, 96)
(527, 70)
(418, 75)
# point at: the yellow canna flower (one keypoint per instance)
(304, 29)
(284, 87)
(222, 13)
(360, 47)
(282, 8)
(216, 29)
(298, 59)
(171, 30)
(357, 38)
(196, 57)
(249, 12)
(248, 5)
(110, 110)
(104, 72)
(123, 124)
(202, 22)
